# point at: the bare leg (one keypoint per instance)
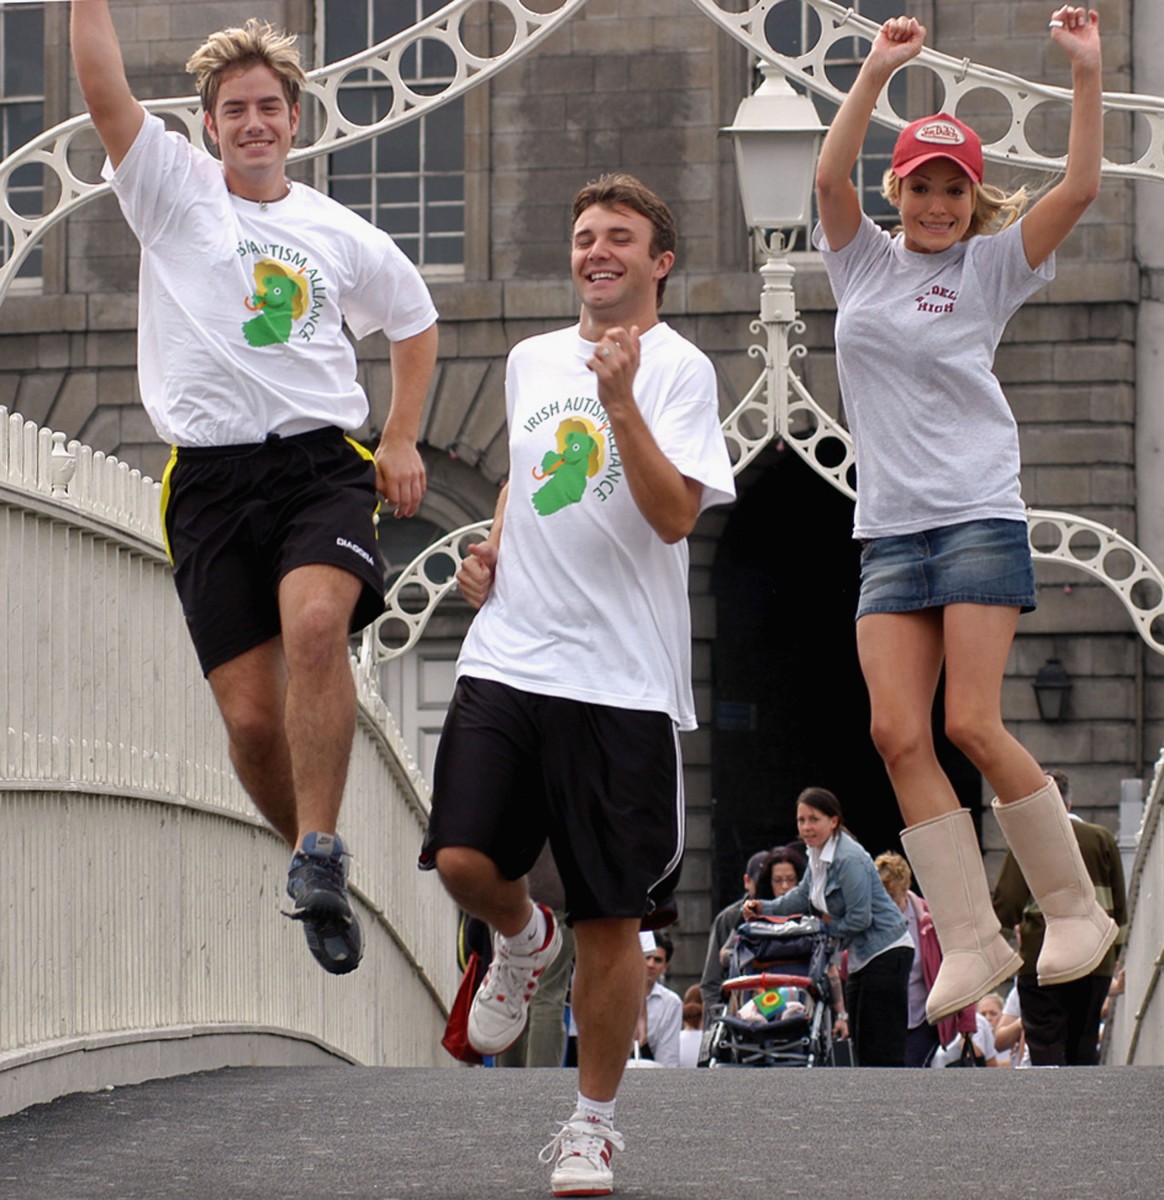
(315, 607)
(901, 656)
(250, 693)
(609, 980)
(290, 705)
(475, 883)
(978, 638)
(901, 659)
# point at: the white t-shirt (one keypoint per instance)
(242, 305)
(664, 1025)
(916, 334)
(592, 605)
(820, 858)
(690, 1045)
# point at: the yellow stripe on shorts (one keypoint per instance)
(166, 500)
(364, 452)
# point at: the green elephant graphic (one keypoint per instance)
(276, 302)
(579, 456)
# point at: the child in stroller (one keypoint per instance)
(778, 1008)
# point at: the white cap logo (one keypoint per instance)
(942, 133)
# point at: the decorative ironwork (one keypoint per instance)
(958, 77)
(65, 191)
(414, 595)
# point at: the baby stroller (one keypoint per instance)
(778, 1001)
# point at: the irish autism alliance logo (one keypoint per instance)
(288, 297)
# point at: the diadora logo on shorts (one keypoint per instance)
(340, 541)
(942, 133)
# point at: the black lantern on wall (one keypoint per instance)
(1052, 690)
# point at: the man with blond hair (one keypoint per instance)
(575, 676)
(247, 280)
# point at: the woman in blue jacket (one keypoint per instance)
(842, 887)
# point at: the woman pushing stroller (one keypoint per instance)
(945, 563)
(841, 885)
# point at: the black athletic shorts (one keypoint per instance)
(604, 784)
(239, 518)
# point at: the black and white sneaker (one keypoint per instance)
(317, 895)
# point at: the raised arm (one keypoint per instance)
(101, 73)
(898, 40)
(1054, 215)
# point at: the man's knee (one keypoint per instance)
(604, 942)
(315, 607)
(466, 872)
(249, 693)
(255, 729)
(319, 630)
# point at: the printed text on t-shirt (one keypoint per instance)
(937, 300)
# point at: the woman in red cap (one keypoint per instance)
(945, 564)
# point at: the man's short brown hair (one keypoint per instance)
(256, 44)
(620, 190)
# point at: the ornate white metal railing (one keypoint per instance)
(959, 78)
(452, 28)
(142, 888)
(414, 596)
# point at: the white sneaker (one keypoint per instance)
(500, 1008)
(584, 1146)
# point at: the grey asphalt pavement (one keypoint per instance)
(391, 1134)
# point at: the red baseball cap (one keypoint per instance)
(939, 136)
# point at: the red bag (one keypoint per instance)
(456, 1039)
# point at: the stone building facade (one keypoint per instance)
(645, 86)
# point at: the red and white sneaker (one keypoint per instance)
(500, 1008)
(583, 1146)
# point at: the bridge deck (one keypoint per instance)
(295, 1134)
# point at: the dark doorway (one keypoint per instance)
(791, 708)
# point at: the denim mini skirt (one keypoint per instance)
(977, 562)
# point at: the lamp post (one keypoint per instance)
(777, 136)
(1052, 690)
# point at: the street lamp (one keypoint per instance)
(777, 136)
(1052, 690)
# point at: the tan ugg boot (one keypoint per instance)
(1079, 932)
(944, 854)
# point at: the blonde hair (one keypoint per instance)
(993, 211)
(894, 870)
(257, 43)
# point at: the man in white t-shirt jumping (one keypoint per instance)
(575, 676)
(244, 367)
